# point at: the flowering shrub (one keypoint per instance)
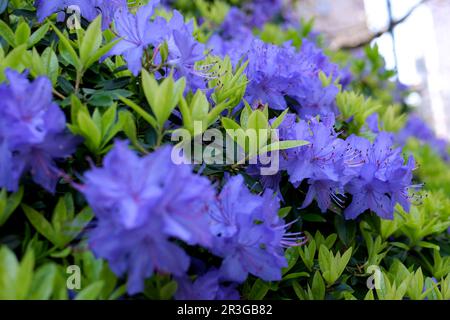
(102, 196)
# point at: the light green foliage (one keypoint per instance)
(255, 135)
(8, 204)
(355, 107)
(64, 225)
(20, 280)
(97, 129)
(332, 265)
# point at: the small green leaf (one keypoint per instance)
(40, 223)
(91, 292)
(89, 130)
(25, 275)
(168, 290)
(259, 290)
(199, 106)
(229, 124)
(279, 120)
(7, 34)
(9, 204)
(9, 268)
(144, 114)
(91, 42)
(282, 145)
(43, 282)
(67, 45)
(38, 35)
(22, 33)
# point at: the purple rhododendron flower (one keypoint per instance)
(185, 51)
(137, 33)
(250, 238)
(140, 203)
(32, 132)
(235, 37)
(88, 9)
(374, 174)
(108, 8)
(271, 76)
(321, 162)
(275, 73)
(382, 180)
(206, 287)
(262, 11)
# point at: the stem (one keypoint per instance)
(78, 81)
(160, 137)
(59, 95)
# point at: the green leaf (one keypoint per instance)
(40, 223)
(168, 290)
(258, 122)
(59, 215)
(91, 42)
(22, 33)
(79, 223)
(43, 283)
(144, 114)
(89, 130)
(50, 64)
(279, 120)
(230, 124)
(9, 267)
(91, 292)
(259, 290)
(318, 286)
(129, 126)
(7, 34)
(163, 97)
(108, 119)
(9, 204)
(296, 275)
(38, 35)
(283, 212)
(67, 45)
(429, 245)
(282, 145)
(199, 106)
(245, 114)
(25, 275)
(97, 55)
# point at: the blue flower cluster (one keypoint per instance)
(140, 203)
(138, 34)
(88, 9)
(143, 203)
(374, 174)
(277, 73)
(32, 132)
(149, 210)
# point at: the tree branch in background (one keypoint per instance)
(361, 43)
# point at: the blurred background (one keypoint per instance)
(412, 35)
